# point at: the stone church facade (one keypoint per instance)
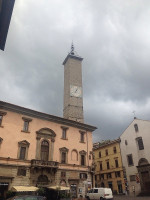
(136, 157)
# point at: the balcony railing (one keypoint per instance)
(42, 163)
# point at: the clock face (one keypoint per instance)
(75, 91)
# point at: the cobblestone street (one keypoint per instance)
(124, 197)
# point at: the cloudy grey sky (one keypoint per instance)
(113, 37)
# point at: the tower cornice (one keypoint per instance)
(72, 56)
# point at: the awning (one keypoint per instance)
(24, 189)
(57, 187)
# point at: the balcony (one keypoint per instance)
(45, 164)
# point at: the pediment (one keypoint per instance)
(46, 131)
(82, 152)
(64, 149)
(24, 143)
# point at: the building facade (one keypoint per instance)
(108, 166)
(38, 149)
(136, 156)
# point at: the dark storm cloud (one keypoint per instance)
(113, 38)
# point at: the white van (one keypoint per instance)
(100, 194)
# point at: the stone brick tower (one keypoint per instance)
(73, 92)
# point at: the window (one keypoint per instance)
(107, 164)
(63, 174)
(140, 143)
(84, 176)
(95, 178)
(116, 163)
(102, 176)
(22, 153)
(117, 174)
(82, 136)
(100, 154)
(83, 157)
(1, 140)
(21, 172)
(23, 150)
(136, 128)
(106, 152)
(63, 155)
(44, 150)
(64, 132)
(109, 175)
(1, 117)
(115, 150)
(95, 191)
(26, 124)
(63, 158)
(101, 166)
(132, 178)
(130, 160)
(126, 142)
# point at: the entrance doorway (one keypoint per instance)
(3, 190)
(73, 190)
(119, 187)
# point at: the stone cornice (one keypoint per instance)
(44, 116)
(72, 56)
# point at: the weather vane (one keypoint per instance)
(134, 113)
(72, 49)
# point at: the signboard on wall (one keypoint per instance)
(6, 9)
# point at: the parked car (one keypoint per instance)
(27, 197)
(100, 194)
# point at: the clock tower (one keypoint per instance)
(73, 92)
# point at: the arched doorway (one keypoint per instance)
(144, 174)
(44, 150)
(42, 180)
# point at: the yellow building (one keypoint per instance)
(108, 166)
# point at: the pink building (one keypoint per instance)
(38, 149)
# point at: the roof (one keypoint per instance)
(104, 143)
(24, 189)
(72, 56)
(44, 116)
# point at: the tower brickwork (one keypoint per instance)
(73, 91)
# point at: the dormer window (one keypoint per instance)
(136, 128)
(26, 124)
